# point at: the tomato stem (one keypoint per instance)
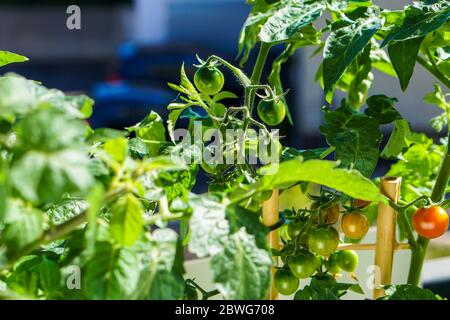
(258, 69)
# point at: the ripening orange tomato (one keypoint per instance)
(430, 222)
(355, 225)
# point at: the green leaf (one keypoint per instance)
(251, 28)
(7, 57)
(342, 47)
(287, 21)
(381, 61)
(127, 220)
(382, 108)
(356, 137)
(409, 292)
(362, 80)
(137, 148)
(403, 55)
(323, 172)
(208, 226)
(420, 19)
(239, 217)
(23, 225)
(242, 270)
(151, 130)
(399, 141)
(16, 97)
(112, 273)
(159, 279)
(326, 289)
(117, 149)
(66, 210)
(308, 154)
(50, 277)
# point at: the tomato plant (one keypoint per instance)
(100, 202)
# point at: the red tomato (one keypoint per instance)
(430, 222)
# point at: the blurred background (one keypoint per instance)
(127, 50)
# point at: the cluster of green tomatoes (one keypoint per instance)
(311, 248)
(210, 80)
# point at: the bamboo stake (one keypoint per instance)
(386, 241)
(270, 218)
(370, 246)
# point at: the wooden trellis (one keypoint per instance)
(384, 246)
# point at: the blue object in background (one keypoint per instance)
(119, 104)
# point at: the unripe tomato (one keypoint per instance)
(361, 203)
(430, 222)
(285, 282)
(355, 225)
(294, 228)
(272, 112)
(304, 264)
(347, 260)
(209, 80)
(332, 264)
(323, 240)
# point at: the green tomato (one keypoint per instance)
(332, 264)
(347, 260)
(209, 80)
(304, 264)
(294, 228)
(323, 240)
(272, 112)
(285, 282)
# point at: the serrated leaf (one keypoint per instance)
(382, 108)
(287, 21)
(127, 220)
(356, 137)
(151, 130)
(403, 56)
(399, 141)
(420, 19)
(242, 270)
(342, 47)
